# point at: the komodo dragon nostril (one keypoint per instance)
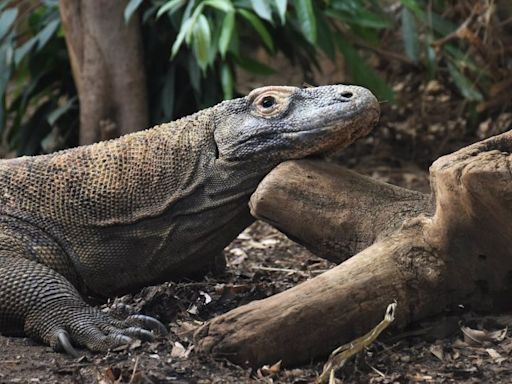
(346, 94)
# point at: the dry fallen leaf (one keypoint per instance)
(266, 370)
(477, 337)
(437, 351)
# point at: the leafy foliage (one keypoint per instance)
(196, 47)
(38, 105)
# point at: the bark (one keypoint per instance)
(428, 261)
(107, 61)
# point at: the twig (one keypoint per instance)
(132, 378)
(286, 270)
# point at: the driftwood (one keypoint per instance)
(429, 253)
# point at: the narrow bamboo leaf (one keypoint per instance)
(465, 86)
(46, 33)
(259, 27)
(410, 35)
(130, 8)
(194, 73)
(366, 19)
(21, 52)
(201, 41)
(254, 66)
(170, 7)
(307, 19)
(222, 5)
(413, 6)
(227, 81)
(262, 9)
(228, 26)
(184, 30)
(325, 40)
(281, 9)
(7, 19)
(168, 94)
(57, 113)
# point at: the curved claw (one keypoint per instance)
(65, 344)
(122, 339)
(139, 333)
(149, 322)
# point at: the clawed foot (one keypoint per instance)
(97, 331)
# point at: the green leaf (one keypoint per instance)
(325, 40)
(201, 41)
(361, 18)
(7, 19)
(21, 52)
(413, 6)
(410, 35)
(307, 19)
(262, 9)
(222, 5)
(254, 66)
(228, 26)
(130, 8)
(259, 27)
(227, 81)
(46, 33)
(168, 94)
(465, 86)
(170, 7)
(184, 31)
(281, 9)
(57, 113)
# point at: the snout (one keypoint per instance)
(358, 95)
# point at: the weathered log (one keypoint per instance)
(458, 255)
(333, 211)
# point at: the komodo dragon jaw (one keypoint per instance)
(115, 216)
(284, 123)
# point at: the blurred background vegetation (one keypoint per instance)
(441, 68)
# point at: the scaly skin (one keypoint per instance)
(112, 217)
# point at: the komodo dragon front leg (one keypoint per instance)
(51, 310)
(113, 217)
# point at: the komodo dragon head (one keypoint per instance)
(283, 123)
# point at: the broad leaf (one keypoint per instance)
(227, 33)
(227, 81)
(46, 33)
(130, 8)
(307, 19)
(170, 7)
(410, 35)
(7, 19)
(281, 9)
(201, 41)
(184, 31)
(262, 9)
(254, 66)
(466, 87)
(222, 5)
(259, 27)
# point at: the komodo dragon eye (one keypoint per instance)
(268, 102)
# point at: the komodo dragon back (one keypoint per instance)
(112, 217)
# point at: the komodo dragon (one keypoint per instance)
(109, 218)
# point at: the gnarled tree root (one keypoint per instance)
(426, 260)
